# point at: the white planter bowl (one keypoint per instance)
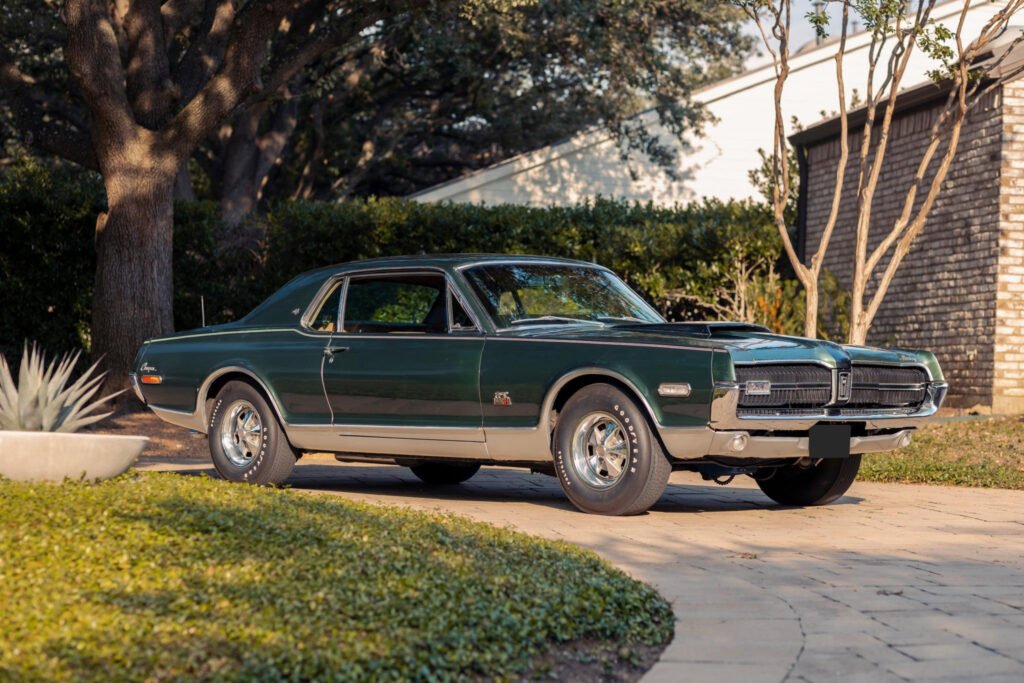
(50, 456)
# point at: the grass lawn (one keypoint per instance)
(965, 452)
(166, 577)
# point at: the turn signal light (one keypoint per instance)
(151, 379)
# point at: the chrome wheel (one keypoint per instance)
(600, 450)
(241, 433)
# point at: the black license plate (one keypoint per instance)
(830, 441)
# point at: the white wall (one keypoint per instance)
(715, 165)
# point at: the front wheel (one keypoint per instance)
(247, 443)
(806, 483)
(606, 457)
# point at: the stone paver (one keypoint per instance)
(892, 583)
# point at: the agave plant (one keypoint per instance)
(43, 400)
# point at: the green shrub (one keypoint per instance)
(679, 258)
(165, 577)
(47, 259)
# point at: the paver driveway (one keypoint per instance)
(893, 582)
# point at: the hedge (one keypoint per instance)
(47, 218)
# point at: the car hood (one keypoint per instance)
(745, 343)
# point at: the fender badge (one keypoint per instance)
(501, 398)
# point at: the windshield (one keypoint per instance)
(516, 294)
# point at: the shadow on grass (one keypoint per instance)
(268, 585)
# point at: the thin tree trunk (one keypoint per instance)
(241, 154)
(183, 184)
(133, 295)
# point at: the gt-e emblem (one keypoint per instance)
(843, 386)
(501, 398)
(758, 387)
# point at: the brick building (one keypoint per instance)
(960, 290)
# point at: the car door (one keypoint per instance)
(401, 376)
(290, 360)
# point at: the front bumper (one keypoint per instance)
(727, 430)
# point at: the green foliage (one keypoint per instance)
(43, 400)
(987, 452)
(677, 258)
(164, 577)
(47, 259)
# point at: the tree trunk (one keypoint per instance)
(238, 183)
(133, 296)
(811, 309)
(859, 327)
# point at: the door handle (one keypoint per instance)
(331, 350)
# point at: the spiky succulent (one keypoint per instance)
(43, 400)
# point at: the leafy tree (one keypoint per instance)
(136, 88)
(898, 30)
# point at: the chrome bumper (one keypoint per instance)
(725, 404)
(134, 381)
(700, 442)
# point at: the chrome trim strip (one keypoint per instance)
(604, 343)
(808, 361)
(334, 439)
(512, 261)
(255, 330)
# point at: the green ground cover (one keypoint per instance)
(165, 577)
(985, 452)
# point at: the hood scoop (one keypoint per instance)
(706, 329)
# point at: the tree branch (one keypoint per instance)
(95, 63)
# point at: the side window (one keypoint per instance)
(326, 319)
(396, 304)
(460, 319)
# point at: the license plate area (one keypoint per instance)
(829, 441)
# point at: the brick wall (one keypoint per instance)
(1008, 388)
(943, 297)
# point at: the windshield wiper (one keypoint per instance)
(621, 319)
(552, 320)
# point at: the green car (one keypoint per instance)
(446, 363)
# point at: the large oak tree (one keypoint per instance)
(134, 89)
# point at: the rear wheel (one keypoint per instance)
(442, 473)
(606, 457)
(247, 443)
(808, 483)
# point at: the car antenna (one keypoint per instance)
(202, 311)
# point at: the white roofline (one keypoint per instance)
(706, 95)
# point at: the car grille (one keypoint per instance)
(887, 386)
(792, 386)
(805, 388)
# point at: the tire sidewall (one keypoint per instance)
(261, 462)
(607, 399)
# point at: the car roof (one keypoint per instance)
(446, 261)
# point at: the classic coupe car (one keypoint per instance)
(446, 363)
